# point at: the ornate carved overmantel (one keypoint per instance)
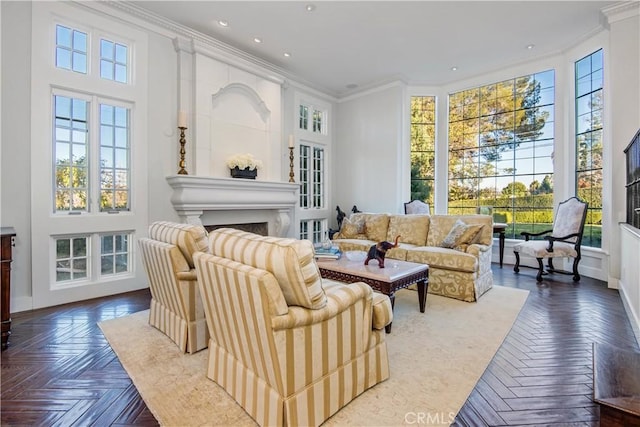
(195, 197)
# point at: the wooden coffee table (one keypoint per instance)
(396, 275)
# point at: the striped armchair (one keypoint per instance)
(176, 307)
(289, 347)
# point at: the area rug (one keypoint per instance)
(435, 359)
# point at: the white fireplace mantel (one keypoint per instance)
(195, 196)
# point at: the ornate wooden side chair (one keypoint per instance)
(563, 240)
(417, 207)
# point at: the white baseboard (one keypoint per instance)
(634, 318)
(21, 304)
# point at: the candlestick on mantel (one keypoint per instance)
(182, 119)
(291, 174)
(183, 141)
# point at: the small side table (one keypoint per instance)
(500, 228)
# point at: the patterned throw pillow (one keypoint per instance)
(352, 228)
(461, 235)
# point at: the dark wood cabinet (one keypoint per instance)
(7, 239)
(632, 153)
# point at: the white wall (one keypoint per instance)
(244, 117)
(163, 132)
(625, 119)
(16, 136)
(368, 151)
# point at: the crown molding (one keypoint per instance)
(620, 11)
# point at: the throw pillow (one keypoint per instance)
(375, 227)
(461, 235)
(352, 228)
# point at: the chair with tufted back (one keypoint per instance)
(563, 240)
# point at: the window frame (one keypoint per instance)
(592, 211)
(93, 152)
(429, 155)
(470, 143)
(47, 79)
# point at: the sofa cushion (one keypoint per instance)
(291, 261)
(188, 238)
(352, 228)
(461, 235)
(444, 258)
(375, 225)
(412, 229)
(440, 225)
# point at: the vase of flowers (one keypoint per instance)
(243, 166)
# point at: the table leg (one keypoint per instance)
(422, 294)
(501, 240)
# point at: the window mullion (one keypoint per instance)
(94, 148)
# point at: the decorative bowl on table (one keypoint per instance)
(355, 255)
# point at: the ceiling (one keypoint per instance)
(342, 47)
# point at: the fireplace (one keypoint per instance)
(261, 228)
(222, 201)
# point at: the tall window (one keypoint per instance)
(589, 96)
(74, 152)
(114, 254)
(315, 230)
(74, 258)
(113, 61)
(114, 157)
(71, 258)
(315, 123)
(311, 174)
(501, 151)
(90, 171)
(70, 153)
(313, 153)
(71, 49)
(423, 148)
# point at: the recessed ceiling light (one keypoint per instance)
(223, 23)
(454, 68)
(530, 46)
(257, 39)
(287, 54)
(310, 7)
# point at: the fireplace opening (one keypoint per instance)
(261, 228)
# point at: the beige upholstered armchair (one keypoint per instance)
(563, 240)
(176, 306)
(417, 207)
(288, 346)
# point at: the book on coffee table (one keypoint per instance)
(331, 253)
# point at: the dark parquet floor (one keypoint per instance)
(60, 371)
